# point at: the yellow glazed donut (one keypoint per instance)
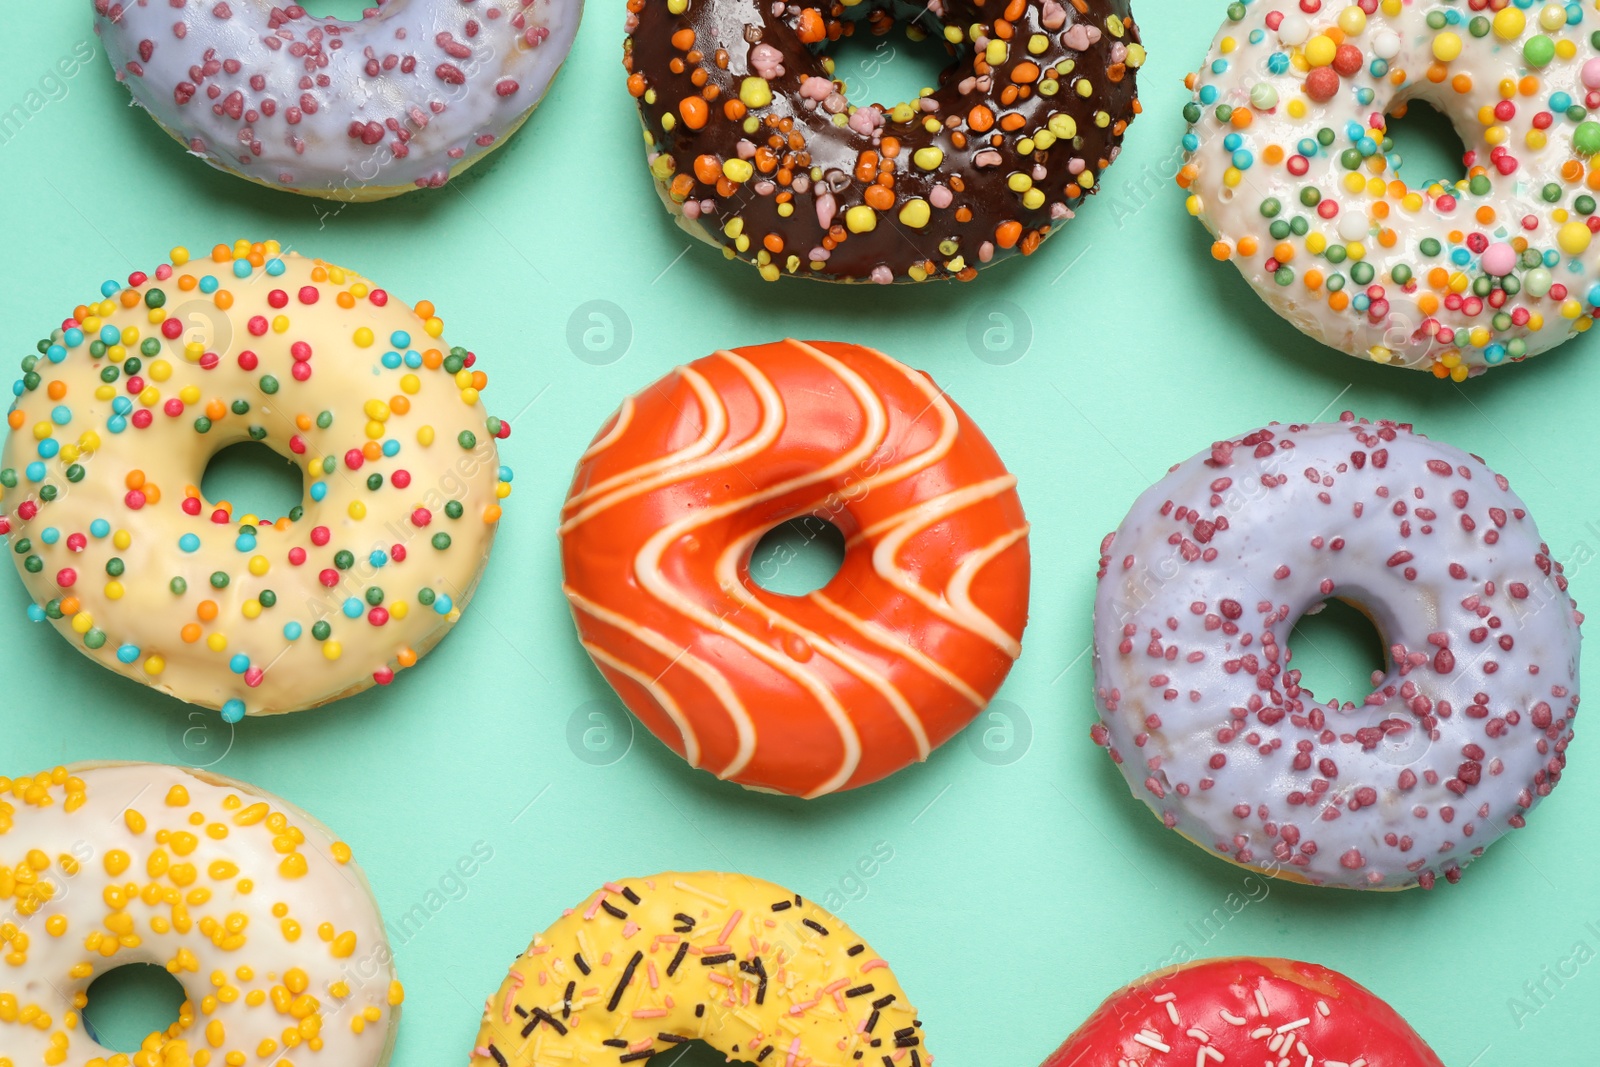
(743, 965)
(118, 413)
(251, 904)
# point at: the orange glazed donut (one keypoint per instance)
(1245, 1010)
(809, 694)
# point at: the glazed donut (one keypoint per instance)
(809, 694)
(406, 97)
(1291, 167)
(1201, 586)
(755, 148)
(749, 968)
(1245, 1010)
(252, 905)
(118, 413)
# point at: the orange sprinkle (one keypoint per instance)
(190, 632)
(1008, 233)
(694, 112)
(1248, 246)
(1026, 73)
(56, 389)
(1241, 118)
(707, 168)
(980, 118)
(135, 479)
(1220, 250)
(207, 610)
(1273, 154)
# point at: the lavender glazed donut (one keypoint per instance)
(1200, 587)
(413, 93)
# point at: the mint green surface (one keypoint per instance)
(1025, 886)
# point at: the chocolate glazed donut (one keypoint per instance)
(755, 148)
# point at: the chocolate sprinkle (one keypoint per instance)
(622, 983)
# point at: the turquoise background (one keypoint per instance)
(1025, 883)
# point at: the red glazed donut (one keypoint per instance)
(1245, 1010)
(843, 686)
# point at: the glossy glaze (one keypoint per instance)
(838, 688)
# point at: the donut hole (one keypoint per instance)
(1336, 648)
(892, 67)
(798, 557)
(129, 1003)
(348, 10)
(1429, 147)
(254, 480)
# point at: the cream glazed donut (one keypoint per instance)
(1463, 735)
(1291, 166)
(253, 906)
(412, 93)
(118, 413)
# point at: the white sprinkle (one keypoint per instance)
(1230, 1017)
(1322, 1008)
(1297, 1024)
(1145, 1037)
(1199, 1035)
(1163, 998)
(1172, 1013)
(701, 893)
(1260, 1032)
(1261, 1003)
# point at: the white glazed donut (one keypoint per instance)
(1204, 580)
(409, 95)
(118, 414)
(1290, 166)
(254, 907)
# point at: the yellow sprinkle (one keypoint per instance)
(861, 219)
(177, 797)
(1574, 238)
